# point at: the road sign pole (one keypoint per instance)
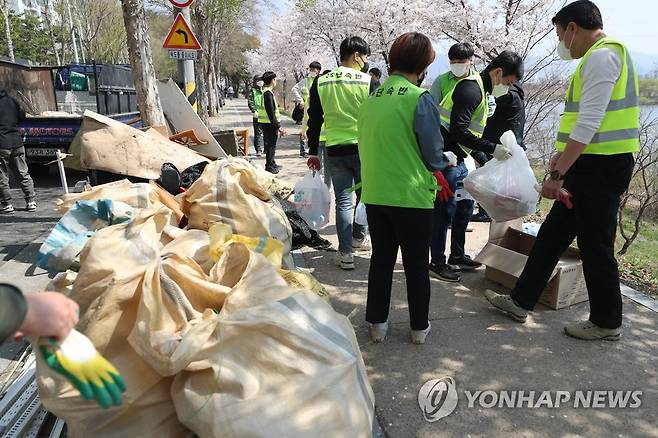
(186, 69)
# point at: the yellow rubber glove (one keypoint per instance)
(76, 359)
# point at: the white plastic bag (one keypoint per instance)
(313, 200)
(360, 215)
(506, 189)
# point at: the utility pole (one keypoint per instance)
(186, 67)
(141, 61)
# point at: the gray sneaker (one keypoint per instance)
(589, 331)
(505, 304)
(6, 209)
(344, 260)
(418, 336)
(378, 332)
(31, 206)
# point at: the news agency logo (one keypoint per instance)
(438, 398)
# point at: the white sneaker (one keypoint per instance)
(6, 209)
(378, 332)
(31, 206)
(345, 261)
(361, 244)
(418, 336)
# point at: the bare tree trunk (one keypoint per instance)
(10, 43)
(200, 70)
(49, 23)
(212, 90)
(141, 61)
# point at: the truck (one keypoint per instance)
(56, 96)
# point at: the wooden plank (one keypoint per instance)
(182, 117)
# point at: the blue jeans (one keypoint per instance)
(454, 213)
(345, 171)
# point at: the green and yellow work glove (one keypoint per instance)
(76, 359)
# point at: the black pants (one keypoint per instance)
(596, 183)
(392, 228)
(270, 137)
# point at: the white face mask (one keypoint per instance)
(312, 74)
(500, 90)
(563, 51)
(260, 83)
(461, 69)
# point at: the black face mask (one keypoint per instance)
(421, 78)
(365, 68)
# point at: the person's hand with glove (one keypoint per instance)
(90, 373)
(451, 157)
(443, 193)
(502, 152)
(313, 162)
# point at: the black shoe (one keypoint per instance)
(464, 263)
(273, 170)
(278, 166)
(303, 154)
(481, 216)
(444, 273)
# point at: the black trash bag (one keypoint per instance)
(170, 178)
(298, 113)
(302, 234)
(192, 173)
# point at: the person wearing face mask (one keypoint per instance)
(300, 94)
(598, 134)
(460, 56)
(334, 101)
(268, 119)
(464, 111)
(254, 102)
(402, 161)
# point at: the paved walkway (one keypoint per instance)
(482, 350)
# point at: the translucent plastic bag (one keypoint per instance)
(313, 200)
(506, 189)
(360, 214)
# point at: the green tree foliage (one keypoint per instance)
(30, 38)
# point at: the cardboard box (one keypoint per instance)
(506, 254)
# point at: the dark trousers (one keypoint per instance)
(596, 183)
(258, 136)
(393, 228)
(14, 160)
(451, 213)
(270, 137)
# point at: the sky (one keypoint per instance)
(631, 21)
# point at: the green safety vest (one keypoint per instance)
(341, 94)
(619, 132)
(262, 114)
(392, 168)
(307, 94)
(479, 116)
(258, 97)
(448, 81)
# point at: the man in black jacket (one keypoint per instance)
(509, 116)
(12, 155)
(463, 116)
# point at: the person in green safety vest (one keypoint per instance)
(268, 119)
(464, 112)
(402, 161)
(300, 93)
(254, 102)
(598, 134)
(334, 101)
(460, 56)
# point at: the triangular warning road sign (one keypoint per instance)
(180, 36)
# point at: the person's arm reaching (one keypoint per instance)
(467, 97)
(315, 119)
(427, 127)
(270, 108)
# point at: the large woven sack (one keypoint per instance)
(107, 288)
(275, 361)
(140, 195)
(229, 191)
